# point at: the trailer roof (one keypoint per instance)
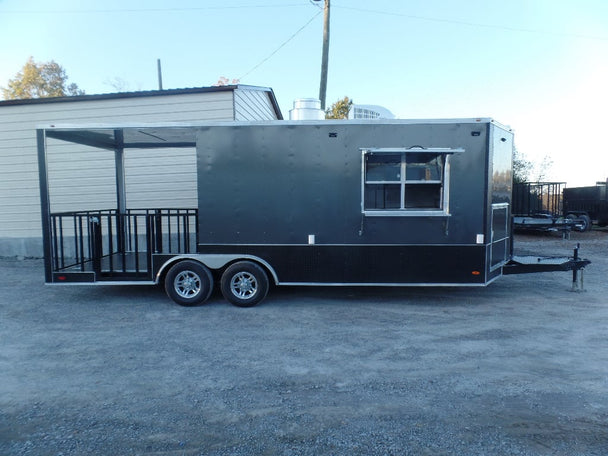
(126, 137)
(164, 135)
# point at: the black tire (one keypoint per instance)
(189, 283)
(585, 223)
(244, 284)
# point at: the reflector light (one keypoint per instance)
(61, 277)
(475, 272)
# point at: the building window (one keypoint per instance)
(406, 181)
(362, 113)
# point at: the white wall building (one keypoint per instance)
(154, 180)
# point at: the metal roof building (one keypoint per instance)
(20, 226)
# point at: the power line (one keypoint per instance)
(282, 45)
(152, 10)
(472, 24)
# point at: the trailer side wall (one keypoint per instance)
(292, 194)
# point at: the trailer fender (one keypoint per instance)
(215, 262)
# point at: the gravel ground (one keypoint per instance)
(517, 368)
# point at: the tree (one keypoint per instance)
(543, 167)
(340, 109)
(224, 81)
(118, 84)
(521, 167)
(40, 80)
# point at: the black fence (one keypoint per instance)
(111, 243)
(535, 198)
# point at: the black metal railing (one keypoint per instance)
(533, 198)
(108, 241)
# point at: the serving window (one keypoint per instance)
(406, 181)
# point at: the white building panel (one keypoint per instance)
(159, 178)
(253, 105)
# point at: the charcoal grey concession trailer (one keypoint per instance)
(423, 203)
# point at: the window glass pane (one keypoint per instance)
(423, 196)
(499, 222)
(424, 167)
(383, 196)
(383, 168)
(421, 189)
(499, 252)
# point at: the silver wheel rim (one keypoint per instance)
(244, 285)
(187, 284)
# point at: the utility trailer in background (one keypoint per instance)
(590, 203)
(391, 203)
(537, 206)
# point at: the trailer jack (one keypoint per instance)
(575, 280)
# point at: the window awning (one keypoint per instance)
(420, 150)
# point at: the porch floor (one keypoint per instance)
(123, 263)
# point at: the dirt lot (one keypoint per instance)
(518, 368)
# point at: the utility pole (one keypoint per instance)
(160, 75)
(325, 57)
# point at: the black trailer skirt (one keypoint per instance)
(368, 264)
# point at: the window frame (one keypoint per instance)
(444, 182)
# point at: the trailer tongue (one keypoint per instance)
(533, 264)
(530, 264)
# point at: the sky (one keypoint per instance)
(538, 66)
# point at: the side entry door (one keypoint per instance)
(500, 238)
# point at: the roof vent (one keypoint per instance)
(306, 109)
